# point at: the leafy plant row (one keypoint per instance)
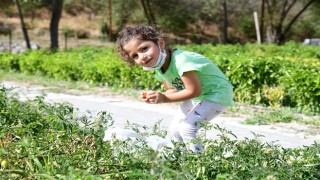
(46, 141)
(268, 74)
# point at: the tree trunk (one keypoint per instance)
(262, 20)
(24, 29)
(225, 23)
(153, 20)
(270, 31)
(280, 37)
(147, 11)
(110, 21)
(54, 24)
(270, 34)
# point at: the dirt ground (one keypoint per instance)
(84, 29)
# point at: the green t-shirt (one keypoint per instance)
(215, 85)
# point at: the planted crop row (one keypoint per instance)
(256, 72)
(45, 141)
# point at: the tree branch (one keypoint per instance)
(290, 6)
(297, 16)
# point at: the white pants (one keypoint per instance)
(185, 124)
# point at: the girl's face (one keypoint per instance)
(144, 53)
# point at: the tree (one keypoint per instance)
(126, 11)
(225, 22)
(262, 20)
(56, 8)
(234, 22)
(148, 11)
(175, 15)
(24, 29)
(281, 19)
(110, 19)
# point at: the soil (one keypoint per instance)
(83, 29)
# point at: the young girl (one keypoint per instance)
(190, 78)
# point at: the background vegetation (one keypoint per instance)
(203, 21)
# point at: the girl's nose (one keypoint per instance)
(144, 58)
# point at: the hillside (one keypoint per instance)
(83, 29)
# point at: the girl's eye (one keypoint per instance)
(134, 56)
(144, 49)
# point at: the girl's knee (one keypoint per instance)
(188, 131)
(195, 147)
(174, 134)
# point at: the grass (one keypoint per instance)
(261, 115)
(284, 115)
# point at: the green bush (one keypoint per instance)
(31, 62)
(302, 86)
(294, 67)
(9, 62)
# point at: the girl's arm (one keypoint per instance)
(169, 89)
(192, 89)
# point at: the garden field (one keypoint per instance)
(39, 140)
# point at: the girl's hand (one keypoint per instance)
(144, 96)
(152, 97)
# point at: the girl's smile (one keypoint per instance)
(146, 59)
(144, 53)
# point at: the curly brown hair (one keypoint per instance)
(142, 32)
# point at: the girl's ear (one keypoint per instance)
(161, 43)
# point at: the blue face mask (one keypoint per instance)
(161, 60)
